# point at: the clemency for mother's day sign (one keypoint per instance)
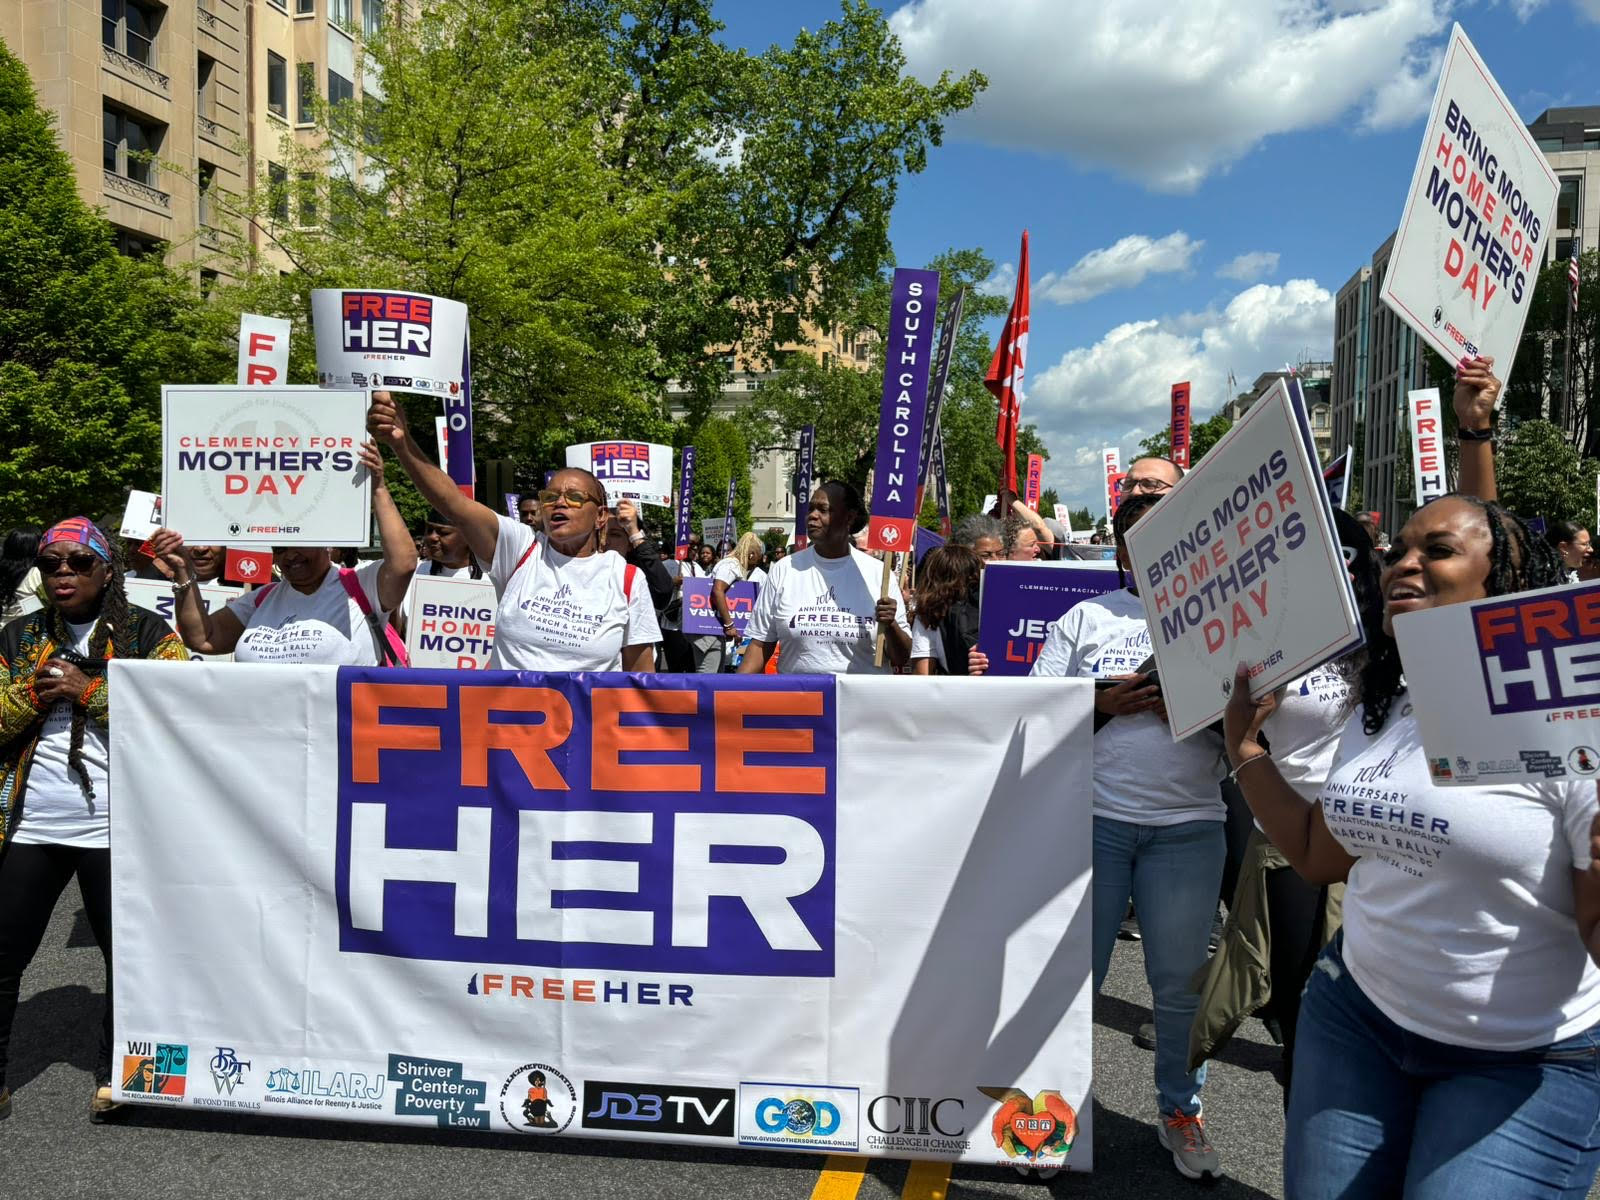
(265, 466)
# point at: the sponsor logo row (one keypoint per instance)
(538, 1098)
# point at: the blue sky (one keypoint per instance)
(1198, 179)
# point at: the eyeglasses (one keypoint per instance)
(572, 497)
(1147, 484)
(78, 564)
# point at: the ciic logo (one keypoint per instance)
(227, 1069)
(1032, 1128)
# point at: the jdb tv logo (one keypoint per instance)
(800, 1117)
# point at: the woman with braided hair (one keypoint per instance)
(54, 761)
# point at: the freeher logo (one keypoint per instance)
(387, 323)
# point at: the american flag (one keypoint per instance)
(1572, 278)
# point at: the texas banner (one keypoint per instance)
(908, 358)
(260, 466)
(656, 908)
(805, 465)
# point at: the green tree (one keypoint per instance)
(721, 452)
(1204, 436)
(1534, 387)
(87, 335)
(1540, 474)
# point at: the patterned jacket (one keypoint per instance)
(25, 644)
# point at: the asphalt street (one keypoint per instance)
(48, 1149)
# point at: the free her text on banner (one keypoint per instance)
(790, 912)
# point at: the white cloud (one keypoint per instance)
(1247, 268)
(1406, 96)
(1118, 390)
(1590, 9)
(1125, 264)
(1003, 282)
(1166, 93)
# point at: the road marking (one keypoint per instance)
(840, 1179)
(926, 1181)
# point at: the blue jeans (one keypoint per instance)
(1378, 1111)
(1173, 874)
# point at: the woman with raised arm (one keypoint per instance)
(565, 605)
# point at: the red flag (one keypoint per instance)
(1004, 379)
(248, 566)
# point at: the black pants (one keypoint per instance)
(32, 879)
(1295, 911)
(679, 653)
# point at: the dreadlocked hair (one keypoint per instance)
(1518, 562)
(114, 628)
(1129, 511)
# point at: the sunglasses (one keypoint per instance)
(572, 497)
(79, 564)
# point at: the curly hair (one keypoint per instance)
(947, 574)
(114, 627)
(971, 530)
(1519, 561)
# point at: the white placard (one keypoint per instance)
(451, 622)
(263, 351)
(441, 433)
(1111, 462)
(156, 595)
(258, 466)
(1239, 562)
(141, 516)
(787, 933)
(1064, 516)
(1477, 216)
(638, 471)
(389, 341)
(1427, 444)
(1506, 689)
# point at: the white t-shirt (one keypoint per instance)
(928, 643)
(434, 570)
(677, 570)
(1305, 728)
(758, 577)
(728, 571)
(564, 614)
(822, 613)
(327, 626)
(54, 809)
(1140, 774)
(1458, 916)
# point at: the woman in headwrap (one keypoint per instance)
(54, 761)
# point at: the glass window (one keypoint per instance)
(371, 119)
(208, 177)
(1591, 140)
(129, 26)
(786, 327)
(1564, 248)
(308, 198)
(371, 17)
(305, 105)
(277, 85)
(205, 75)
(1550, 143)
(340, 89)
(1567, 207)
(129, 146)
(208, 281)
(278, 183)
(305, 8)
(340, 14)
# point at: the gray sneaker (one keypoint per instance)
(1192, 1152)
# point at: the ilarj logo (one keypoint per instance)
(1030, 1128)
(537, 1098)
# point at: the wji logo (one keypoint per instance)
(1043, 1126)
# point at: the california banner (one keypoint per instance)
(720, 910)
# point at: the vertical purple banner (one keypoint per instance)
(513, 502)
(907, 359)
(941, 482)
(458, 419)
(685, 496)
(802, 483)
(941, 376)
(728, 527)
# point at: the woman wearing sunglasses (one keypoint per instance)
(565, 604)
(54, 759)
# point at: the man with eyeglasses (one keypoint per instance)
(1151, 477)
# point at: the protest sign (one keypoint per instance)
(156, 595)
(1064, 517)
(1111, 461)
(637, 471)
(1336, 478)
(141, 516)
(989, 503)
(729, 530)
(441, 433)
(1239, 562)
(685, 505)
(1505, 689)
(1179, 437)
(441, 935)
(263, 351)
(700, 615)
(259, 466)
(513, 505)
(1477, 216)
(247, 566)
(931, 431)
(451, 622)
(1427, 445)
(908, 354)
(802, 488)
(390, 341)
(1018, 602)
(926, 540)
(941, 482)
(712, 529)
(1033, 487)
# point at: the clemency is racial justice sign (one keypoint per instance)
(1472, 236)
(1507, 689)
(1240, 563)
(260, 466)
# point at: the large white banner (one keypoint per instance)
(389, 341)
(260, 466)
(1477, 216)
(788, 912)
(638, 471)
(451, 622)
(1507, 688)
(1239, 562)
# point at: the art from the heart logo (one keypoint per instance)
(1030, 1128)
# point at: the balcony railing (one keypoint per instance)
(142, 72)
(137, 190)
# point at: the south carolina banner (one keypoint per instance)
(788, 912)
